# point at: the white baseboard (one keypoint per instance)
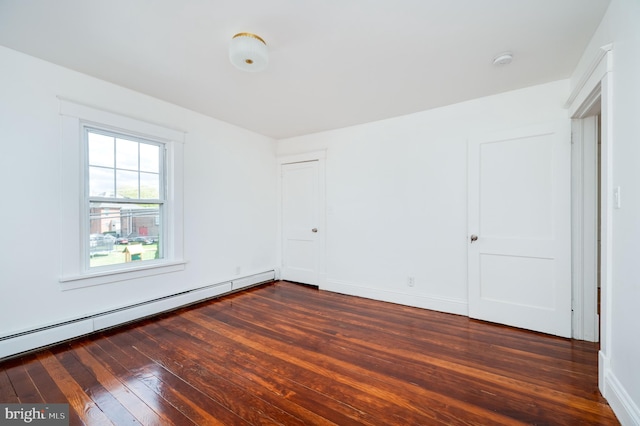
(434, 303)
(133, 313)
(51, 334)
(252, 280)
(603, 367)
(617, 396)
(58, 333)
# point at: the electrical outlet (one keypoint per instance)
(411, 280)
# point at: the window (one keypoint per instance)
(128, 176)
(126, 197)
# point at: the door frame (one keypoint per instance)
(594, 85)
(320, 157)
(584, 225)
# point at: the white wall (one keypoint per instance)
(229, 192)
(396, 195)
(621, 27)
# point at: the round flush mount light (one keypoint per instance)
(248, 52)
(503, 58)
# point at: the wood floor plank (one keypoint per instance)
(48, 387)
(7, 393)
(190, 401)
(218, 384)
(78, 400)
(127, 398)
(105, 398)
(289, 354)
(23, 385)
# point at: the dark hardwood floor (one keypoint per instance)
(289, 354)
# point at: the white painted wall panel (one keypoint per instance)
(518, 280)
(527, 181)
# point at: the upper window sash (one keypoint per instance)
(159, 169)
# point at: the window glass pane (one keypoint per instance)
(126, 154)
(100, 150)
(101, 182)
(123, 233)
(118, 168)
(127, 184)
(149, 185)
(149, 158)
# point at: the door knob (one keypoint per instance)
(474, 237)
(314, 230)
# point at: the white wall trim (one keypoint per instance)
(250, 280)
(85, 112)
(625, 409)
(434, 303)
(73, 246)
(597, 80)
(599, 65)
(299, 158)
(584, 227)
(28, 340)
(604, 366)
(139, 271)
(606, 220)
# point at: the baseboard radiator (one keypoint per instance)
(19, 343)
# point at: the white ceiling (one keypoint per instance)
(333, 63)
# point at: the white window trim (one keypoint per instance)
(72, 245)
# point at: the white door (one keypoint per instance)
(519, 210)
(300, 222)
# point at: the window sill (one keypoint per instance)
(89, 279)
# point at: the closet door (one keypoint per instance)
(519, 247)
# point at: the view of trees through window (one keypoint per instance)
(125, 198)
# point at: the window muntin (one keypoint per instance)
(126, 197)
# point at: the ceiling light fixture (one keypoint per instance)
(503, 58)
(248, 52)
